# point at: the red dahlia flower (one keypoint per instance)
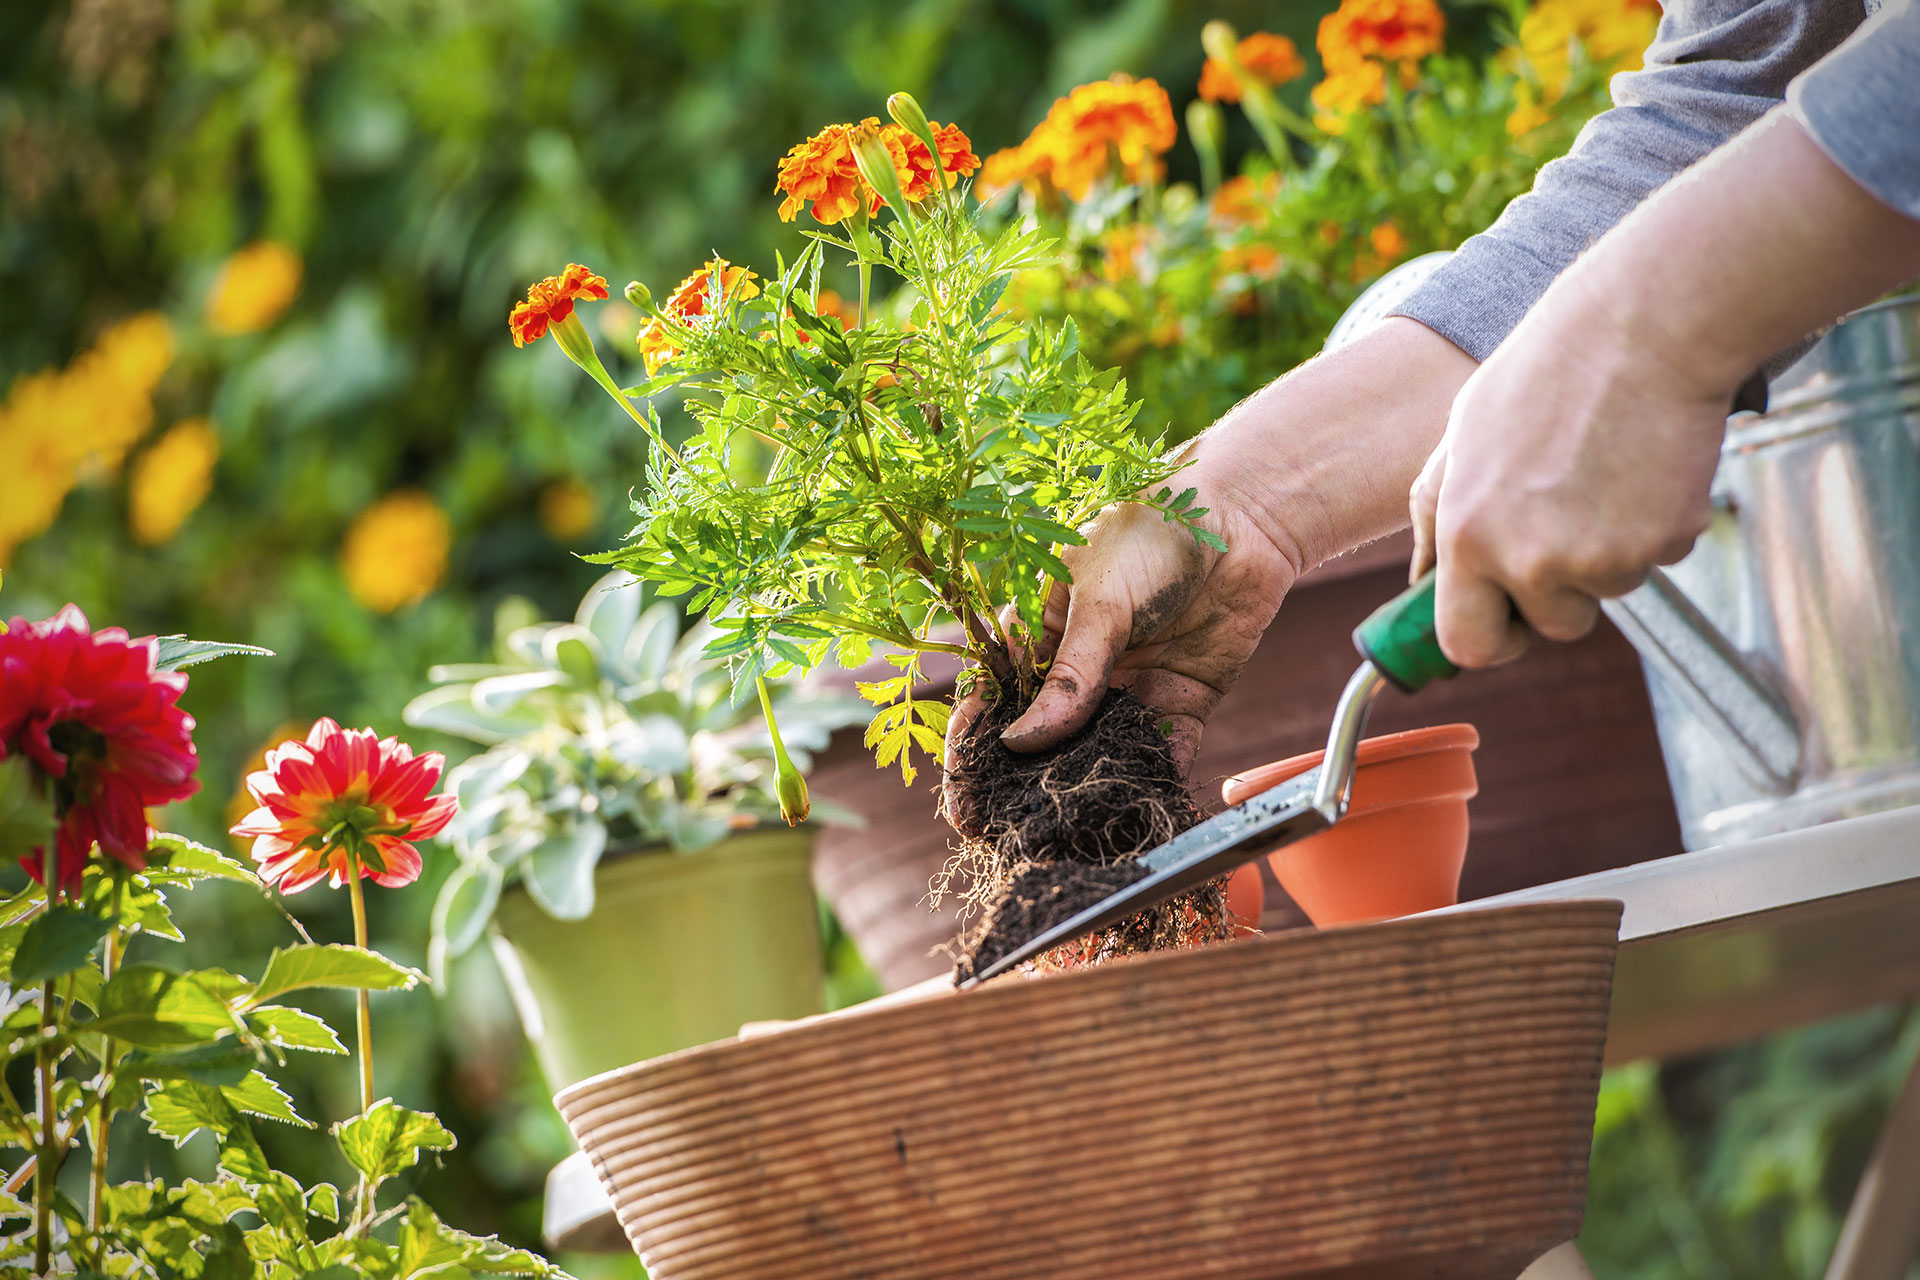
(343, 795)
(104, 728)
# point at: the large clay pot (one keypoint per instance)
(1403, 841)
(681, 949)
(1406, 1099)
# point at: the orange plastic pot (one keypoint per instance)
(1400, 846)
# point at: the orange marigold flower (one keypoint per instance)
(551, 301)
(1271, 59)
(1242, 201)
(1121, 250)
(1345, 91)
(1132, 119)
(822, 172)
(1388, 241)
(696, 292)
(1026, 165)
(688, 303)
(1383, 30)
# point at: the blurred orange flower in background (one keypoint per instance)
(568, 509)
(1343, 92)
(255, 286)
(821, 171)
(1382, 30)
(1243, 200)
(395, 551)
(1271, 59)
(170, 479)
(551, 300)
(1118, 118)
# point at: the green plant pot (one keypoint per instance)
(681, 949)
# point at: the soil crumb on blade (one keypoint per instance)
(1045, 836)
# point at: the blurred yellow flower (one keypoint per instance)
(1345, 91)
(255, 286)
(1614, 33)
(59, 426)
(396, 550)
(171, 479)
(568, 510)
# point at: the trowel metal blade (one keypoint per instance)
(1227, 840)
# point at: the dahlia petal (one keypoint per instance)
(402, 861)
(434, 818)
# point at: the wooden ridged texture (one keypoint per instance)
(1398, 1100)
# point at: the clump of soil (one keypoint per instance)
(1044, 836)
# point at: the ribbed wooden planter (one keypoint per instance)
(1412, 1098)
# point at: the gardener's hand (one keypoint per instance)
(1570, 465)
(1581, 454)
(1313, 466)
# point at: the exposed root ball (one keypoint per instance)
(1047, 835)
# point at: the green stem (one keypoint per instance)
(47, 1167)
(363, 1020)
(97, 1174)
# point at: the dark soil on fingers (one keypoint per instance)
(1047, 835)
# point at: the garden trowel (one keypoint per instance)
(1399, 647)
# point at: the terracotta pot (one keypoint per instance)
(1406, 1099)
(1400, 847)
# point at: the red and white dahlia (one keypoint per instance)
(103, 728)
(343, 795)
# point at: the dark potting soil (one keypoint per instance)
(1045, 836)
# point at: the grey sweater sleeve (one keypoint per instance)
(1714, 67)
(1862, 106)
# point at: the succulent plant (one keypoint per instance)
(612, 731)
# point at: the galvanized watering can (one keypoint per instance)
(1783, 654)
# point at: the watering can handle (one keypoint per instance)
(1746, 712)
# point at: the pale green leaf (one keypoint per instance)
(389, 1138)
(335, 965)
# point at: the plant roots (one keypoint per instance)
(1044, 836)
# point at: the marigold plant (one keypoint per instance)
(857, 487)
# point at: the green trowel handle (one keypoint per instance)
(1399, 639)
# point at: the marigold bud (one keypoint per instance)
(789, 787)
(907, 114)
(1220, 41)
(1205, 127)
(640, 296)
(876, 166)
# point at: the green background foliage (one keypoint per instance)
(427, 159)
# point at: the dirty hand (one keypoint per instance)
(1313, 466)
(1581, 453)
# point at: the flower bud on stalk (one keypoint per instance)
(1208, 132)
(788, 784)
(1220, 41)
(875, 162)
(907, 114)
(640, 296)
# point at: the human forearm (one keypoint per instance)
(1759, 245)
(1716, 67)
(1321, 459)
